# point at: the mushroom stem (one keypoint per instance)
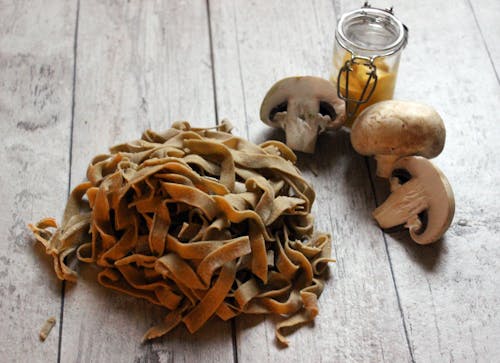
(384, 164)
(403, 205)
(300, 135)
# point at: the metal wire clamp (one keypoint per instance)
(369, 86)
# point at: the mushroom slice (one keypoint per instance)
(424, 203)
(304, 107)
(393, 129)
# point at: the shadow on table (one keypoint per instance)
(251, 323)
(427, 256)
(340, 173)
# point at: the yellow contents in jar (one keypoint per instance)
(358, 77)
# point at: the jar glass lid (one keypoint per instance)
(371, 32)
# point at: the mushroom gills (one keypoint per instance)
(400, 177)
(403, 204)
(326, 109)
(421, 199)
(279, 108)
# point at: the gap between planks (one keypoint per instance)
(212, 63)
(73, 90)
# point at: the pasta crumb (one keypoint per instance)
(46, 328)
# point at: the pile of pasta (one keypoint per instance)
(199, 221)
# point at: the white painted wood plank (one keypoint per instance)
(139, 65)
(449, 291)
(255, 44)
(36, 73)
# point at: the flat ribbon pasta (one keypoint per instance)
(198, 221)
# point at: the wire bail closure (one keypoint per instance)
(372, 78)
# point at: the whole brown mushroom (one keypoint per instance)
(393, 129)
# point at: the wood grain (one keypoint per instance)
(255, 44)
(136, 68)
(36, 69)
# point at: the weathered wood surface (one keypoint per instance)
(142, 64)
(36, 77)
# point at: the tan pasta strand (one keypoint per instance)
(198, 221)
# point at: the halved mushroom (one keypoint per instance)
(421, 198)
(304, 107)
(393, 129)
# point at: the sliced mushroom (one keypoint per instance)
(422, 200)
(304, 107)
(393, 129)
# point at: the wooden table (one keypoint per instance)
(79, 76)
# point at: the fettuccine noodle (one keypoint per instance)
(200, 222)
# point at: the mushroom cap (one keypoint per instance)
(427, 191)
(307, 90)
(398, 128)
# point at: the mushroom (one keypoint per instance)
(421, 198)
(393, 129)
(304, 107)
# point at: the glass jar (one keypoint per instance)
(368, 45)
